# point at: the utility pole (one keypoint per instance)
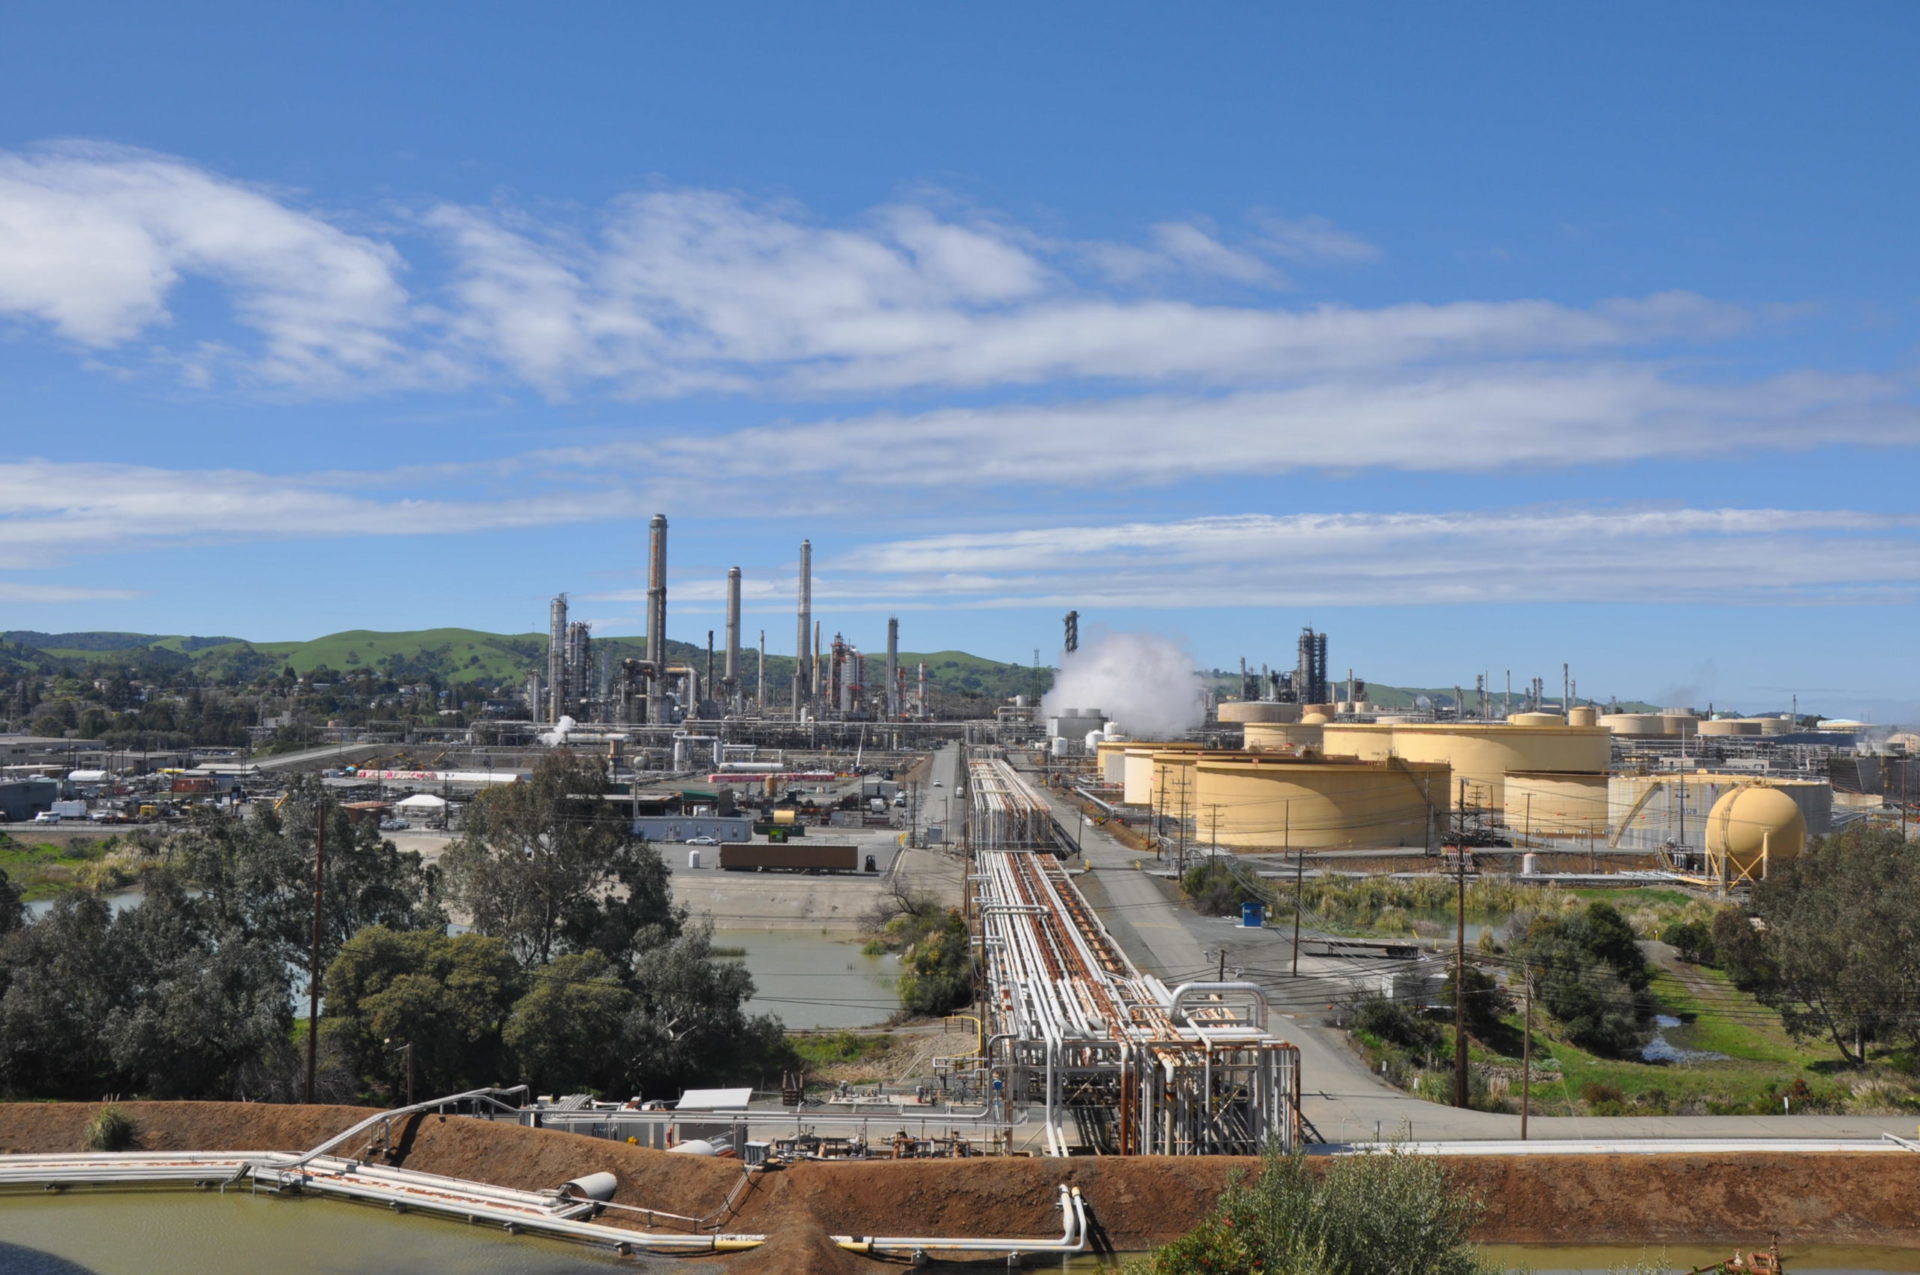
(313, 963)
(1460, 960)
(1299, 903)
(1526, 1058)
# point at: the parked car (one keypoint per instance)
(394, 825)
(702, 841)
(46, 816)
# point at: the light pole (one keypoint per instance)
(408, 1047)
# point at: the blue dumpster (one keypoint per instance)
(1253, 915)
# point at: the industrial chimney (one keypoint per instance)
(657, 619)
(732, 673)
(893, 668)
(802, 649)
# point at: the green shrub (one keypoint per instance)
(1380, 1214)
(1693, 940)
(1395, 1023)
(111, 1129)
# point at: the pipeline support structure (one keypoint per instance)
(1115, 1062)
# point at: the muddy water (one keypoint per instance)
(1564, 1259)
(238, 1233)
(814, 980)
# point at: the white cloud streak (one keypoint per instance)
(94, 240)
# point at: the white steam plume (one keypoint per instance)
(557, 737)
(1143, 682)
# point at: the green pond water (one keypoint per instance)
(164, 1232)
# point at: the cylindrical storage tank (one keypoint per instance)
(1369, 741)
(1314, 719)
(1483, 755)
(1137, 778)
(1275, 803)
(1258, 711)
(1643, 725)
(1173, 780)
(1584, 715)
(1752, 829)
(1268, 737)
(1535, 719)
(1725, 726)
(693, 858)
(1774, 725)
(1529, 864)
(1112, 759)
(785, 816)
(1679, 722)
(1550, 804)
(1060, 745)
(1328, 711)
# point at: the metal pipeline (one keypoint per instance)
(1252, 991)
(1073, 1238)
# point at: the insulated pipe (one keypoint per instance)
(1073, 1237)
(1258, 994)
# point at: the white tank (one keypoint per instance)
(693, 858)
(1060, 745)
(1529, 864)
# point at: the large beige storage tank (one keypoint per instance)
(1680, 722)
(1535, 719)
(1752, 829)
(1769, 725)
(1551, 804)
(1484, 755)
(1137, 778)
(1643, 725)
(1726, 726)
(1271, 737)
(1276, 803)
(1368, 741)
(1112, 755)
(1258, 711)
(1586, 715)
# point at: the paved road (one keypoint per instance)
(1345, 1101)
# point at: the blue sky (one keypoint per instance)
(1483, 337)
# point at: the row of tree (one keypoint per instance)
(580, 973)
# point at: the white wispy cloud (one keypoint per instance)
(58, 511)
(1677, 555)
(678, 291)
(95, 240)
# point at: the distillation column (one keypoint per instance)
(556, 657)
(657, 619)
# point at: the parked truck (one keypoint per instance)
(749, 856)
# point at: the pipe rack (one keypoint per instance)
(1080, 1033)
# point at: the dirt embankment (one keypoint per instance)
(1719, 1199)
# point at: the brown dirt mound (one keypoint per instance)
(1717, 1199)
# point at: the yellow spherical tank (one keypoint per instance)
(1268, 737)
(1751, 829)
(1251, 802)
(1484, 755)
(1258, 711)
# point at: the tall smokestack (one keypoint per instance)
(893, 668)
(802, 660)
(556, 657)
(733, 640)
(657, 618)
(760, 680)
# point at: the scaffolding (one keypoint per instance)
(1116, 1063)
